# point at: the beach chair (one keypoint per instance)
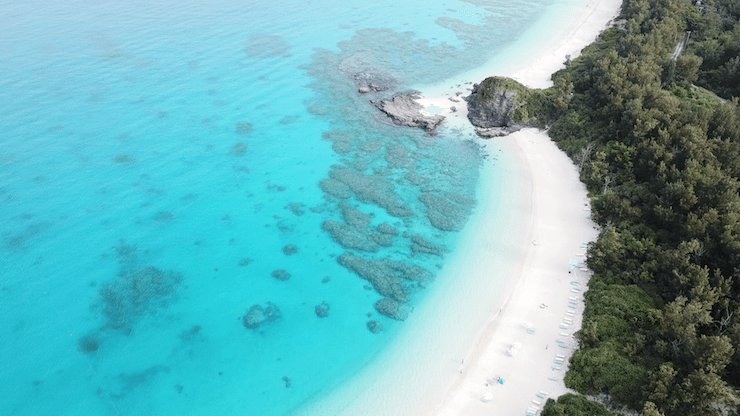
(555, 368)
(558, 361)
(562, 346)
(573, 306)
(574, 290)
(542, 394)
(552, 378)
(563, 326)
(536, 402)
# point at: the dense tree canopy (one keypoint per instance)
(661, 160)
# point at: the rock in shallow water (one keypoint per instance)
(403, 109)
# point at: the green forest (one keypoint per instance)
(657, 142)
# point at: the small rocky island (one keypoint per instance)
(500, 106)
(404, 110)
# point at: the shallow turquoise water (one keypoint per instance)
(157, 158)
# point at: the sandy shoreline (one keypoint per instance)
(543, 306)
(442, 368)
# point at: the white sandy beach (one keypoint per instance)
(452, 368)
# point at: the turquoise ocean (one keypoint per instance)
(185, 186)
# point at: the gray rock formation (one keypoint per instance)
(492, 108)
(257, 315)
(403, 110)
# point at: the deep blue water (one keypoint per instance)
(156, 158)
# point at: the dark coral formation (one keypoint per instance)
(288, 382)
(374, 326)
(190, 334)
(239, 149)
(384, 240)
(88, 344)
(335, 188)
(290, 249)
(355, 217)
(389, 278)
(393, 309)
(372, 189)
(136, 291)
(420, 245)
(267, 46)
(326, 279)
(245, 262)
(257, 315)
(163, 216)
(447, 213)
(130, 381)
(322, 310)
(296, 208)
(387, 229)
(243, 128)
(349, 237)
(281, 275)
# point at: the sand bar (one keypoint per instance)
(442, 368)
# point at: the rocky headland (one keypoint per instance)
(500, 106)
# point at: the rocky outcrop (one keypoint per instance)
(497, 107)
(403, 110)
(257, 315)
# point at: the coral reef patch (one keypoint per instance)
(374, 326)
(281, 275)
(257, 315)
(322, 310)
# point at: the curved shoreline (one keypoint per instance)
(431, 369)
